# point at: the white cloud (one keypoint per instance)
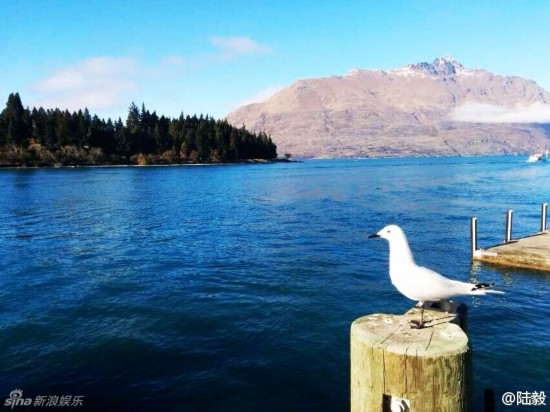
(238, 45)
(173, 60)
(106, 84)
(95, 83)
(487, 113)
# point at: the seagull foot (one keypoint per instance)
(416, 324)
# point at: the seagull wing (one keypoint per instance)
(422, 284)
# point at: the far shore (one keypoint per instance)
(121, 165)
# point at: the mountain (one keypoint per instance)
(439, 108)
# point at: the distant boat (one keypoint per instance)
(538, 157)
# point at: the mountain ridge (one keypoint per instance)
(421, 109)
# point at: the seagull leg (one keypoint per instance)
(419, 324)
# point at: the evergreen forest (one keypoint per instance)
(51, 137)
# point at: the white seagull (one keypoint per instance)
(420, 283)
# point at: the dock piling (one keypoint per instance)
(473, 236)
(489, 400)
(395, 366)
(543, 209)
(508, 231)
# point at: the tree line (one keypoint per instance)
(42, 137)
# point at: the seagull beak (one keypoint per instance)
(374, 235)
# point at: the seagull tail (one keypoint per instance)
(483, 289)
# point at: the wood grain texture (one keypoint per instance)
(429, 367)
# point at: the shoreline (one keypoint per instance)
(248, 161)
(122, 165)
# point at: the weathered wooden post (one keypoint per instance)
(508, 230)
(473, 236)
(543, 214)
(397, 368)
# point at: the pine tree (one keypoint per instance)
(61, 129)
(122, 145)
(162, 136)
(134, 136)
(38, 125)
(84, 123)
(15, 121)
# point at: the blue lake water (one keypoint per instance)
(232, 288)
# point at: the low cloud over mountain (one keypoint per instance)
(488, 113)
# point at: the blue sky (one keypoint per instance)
(213, 56)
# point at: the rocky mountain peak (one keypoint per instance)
(447, 61)
(442, 66)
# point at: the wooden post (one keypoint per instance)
(543, 209)
(508, 231)
(488, 400)
(473, 236)
(395, 367)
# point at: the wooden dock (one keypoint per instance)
(531, 252)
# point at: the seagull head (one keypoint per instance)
(399, 246)
(389, 233)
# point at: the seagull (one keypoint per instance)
(420, 283)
